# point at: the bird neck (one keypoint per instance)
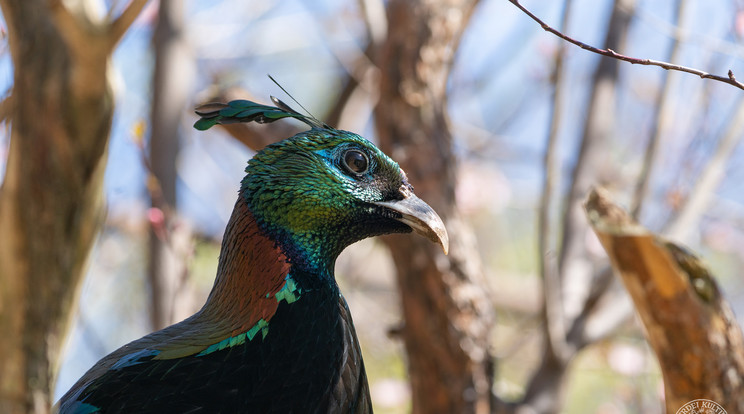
(310, 238)
(256, 271)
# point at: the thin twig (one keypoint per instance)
(705, 41)
(361, 85)
(356, 62)
(730, 79)
(119, 26)
(662, 107)
(680, 225)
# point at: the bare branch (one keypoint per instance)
(119, 26)
(555, 323)
(361, 92)
(574, 264)
(6, 107)
(351, 88)
(607, 307)
(702, 40)
(90, 42)
(678, 228)
(375, 20)
(663, 116)
(69, 26)
(730, 79)
(613, 311)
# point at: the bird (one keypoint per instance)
(275, 334)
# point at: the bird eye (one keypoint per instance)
(356, 161)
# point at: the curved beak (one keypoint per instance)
(419, 216)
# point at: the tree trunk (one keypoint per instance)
(169, 239)
(448, 315)
(50, 202)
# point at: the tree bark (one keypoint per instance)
(689, 325)
(169, 243)
(50, 202)
(448, 315)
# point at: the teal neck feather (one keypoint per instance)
(289, 293)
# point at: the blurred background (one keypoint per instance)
(533, 120)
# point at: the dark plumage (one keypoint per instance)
(275, 335)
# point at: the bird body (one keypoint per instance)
(275, 334)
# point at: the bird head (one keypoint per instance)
(324, 189)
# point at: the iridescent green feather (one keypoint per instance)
(243, 110)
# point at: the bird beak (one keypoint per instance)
(419, 216)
